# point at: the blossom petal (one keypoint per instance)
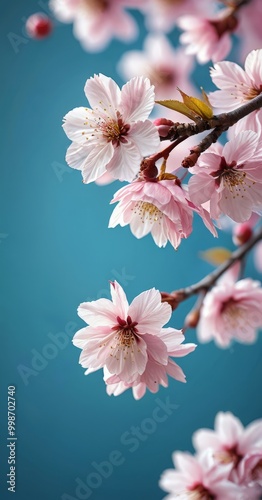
(201, 187)
(228, 427)
(253, 66)
(175, 371)
(226, 74)
(149, 312)
(103, 93)
(76, 155)
(125, 162)
(101, 312)
(137, 99)
(119, 300)
(145, 136)
(241, 148)
(98, 158)
(205, 438)
(156, 348)
(75, 124)
(252, 437)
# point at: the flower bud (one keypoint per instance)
(163, 126)
(192, 318)
(38, 26)
(242, 233)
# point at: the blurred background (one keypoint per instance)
(56, 251)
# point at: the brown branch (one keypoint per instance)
(223, 120)
(208, 281)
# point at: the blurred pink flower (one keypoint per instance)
(155, 373)
(162, 15)
(231, 310)
(160, 208)
(207, 38)
(122, 337)
(115, 135)
(238, 86)
(199, 478)
(232, 444)
(105, 178)
(96, 22)
(231, 179)
(249, 28)
(165, 67)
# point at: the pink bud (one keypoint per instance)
(163, 125)
(192, 319)
(38, 26)
(242, 233)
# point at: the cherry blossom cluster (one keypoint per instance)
(116, 137)
(206, 26)
(227, 464)
(130, 343)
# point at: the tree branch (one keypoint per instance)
(223, 121)
(208, 281)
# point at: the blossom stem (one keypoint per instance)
(165, 152)
(208, 281)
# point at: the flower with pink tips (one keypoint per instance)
(165, 67)
(232, 444)
(230, 177)
(231, 310)
(198, 478)
(115, 135)
(207, 38)
(155, 373)
(238, 86)
(160, 208)
(96, 22)
(124, 338)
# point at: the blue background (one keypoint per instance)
(56, 251)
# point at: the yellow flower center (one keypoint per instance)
(147, 211)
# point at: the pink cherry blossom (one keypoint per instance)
(155, 373)
(160, 208)
(249, 29)
(207, 38)
(96, 22)
(231, 310)
(122, 337)
(232, 444)
(162, 15)
(115, 135)
(165, 67)
(199, 478)
(230, 177)
(237, 86)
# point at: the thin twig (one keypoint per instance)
(223, 120)
(208, 281)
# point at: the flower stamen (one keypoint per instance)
(148, 211)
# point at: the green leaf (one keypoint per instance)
(178, 106)
(199, 107)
